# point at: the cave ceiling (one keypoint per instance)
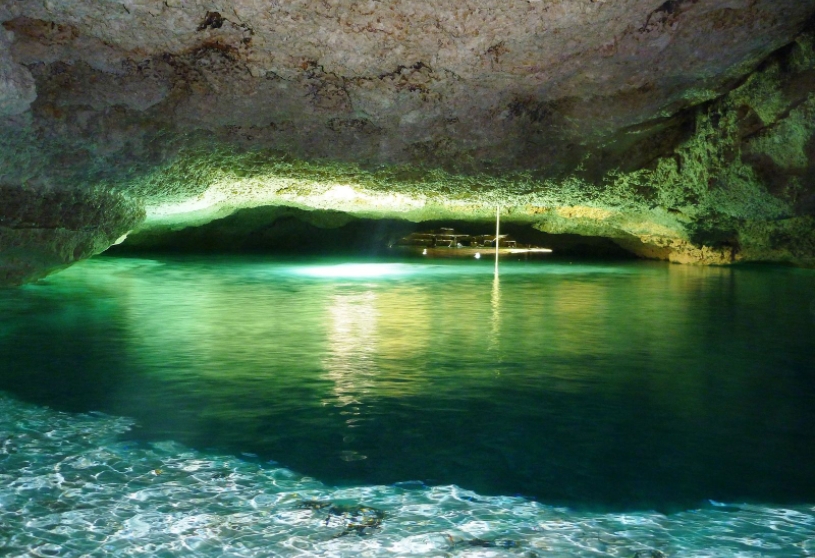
(681, 128)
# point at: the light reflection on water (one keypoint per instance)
(618, 387)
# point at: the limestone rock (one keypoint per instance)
(682, 129)
(44, 231)
(17, 90)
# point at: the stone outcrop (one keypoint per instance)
(44, 231)
(682, 129)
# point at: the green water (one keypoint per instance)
(582, 390)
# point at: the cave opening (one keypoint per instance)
(291, 232)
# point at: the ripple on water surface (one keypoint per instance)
(68, 487)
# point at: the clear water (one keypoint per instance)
(250, 407)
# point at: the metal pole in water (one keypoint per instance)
(497, 232)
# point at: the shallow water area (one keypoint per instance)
(259, 407)
(70, 488)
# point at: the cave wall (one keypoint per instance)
(683, 129)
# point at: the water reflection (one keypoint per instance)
(495, 306)
(621, 385)
(351, 348)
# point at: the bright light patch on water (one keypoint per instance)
(468, 267)
(261, 269)
(69, 488)
(355, 270)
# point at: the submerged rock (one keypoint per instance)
(355, 519)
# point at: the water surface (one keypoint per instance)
(682, 397)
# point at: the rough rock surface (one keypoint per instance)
(17, 90)
(44, 231)
(683, 129)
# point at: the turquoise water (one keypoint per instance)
(252, 407)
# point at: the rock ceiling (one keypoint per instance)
(683, 129)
